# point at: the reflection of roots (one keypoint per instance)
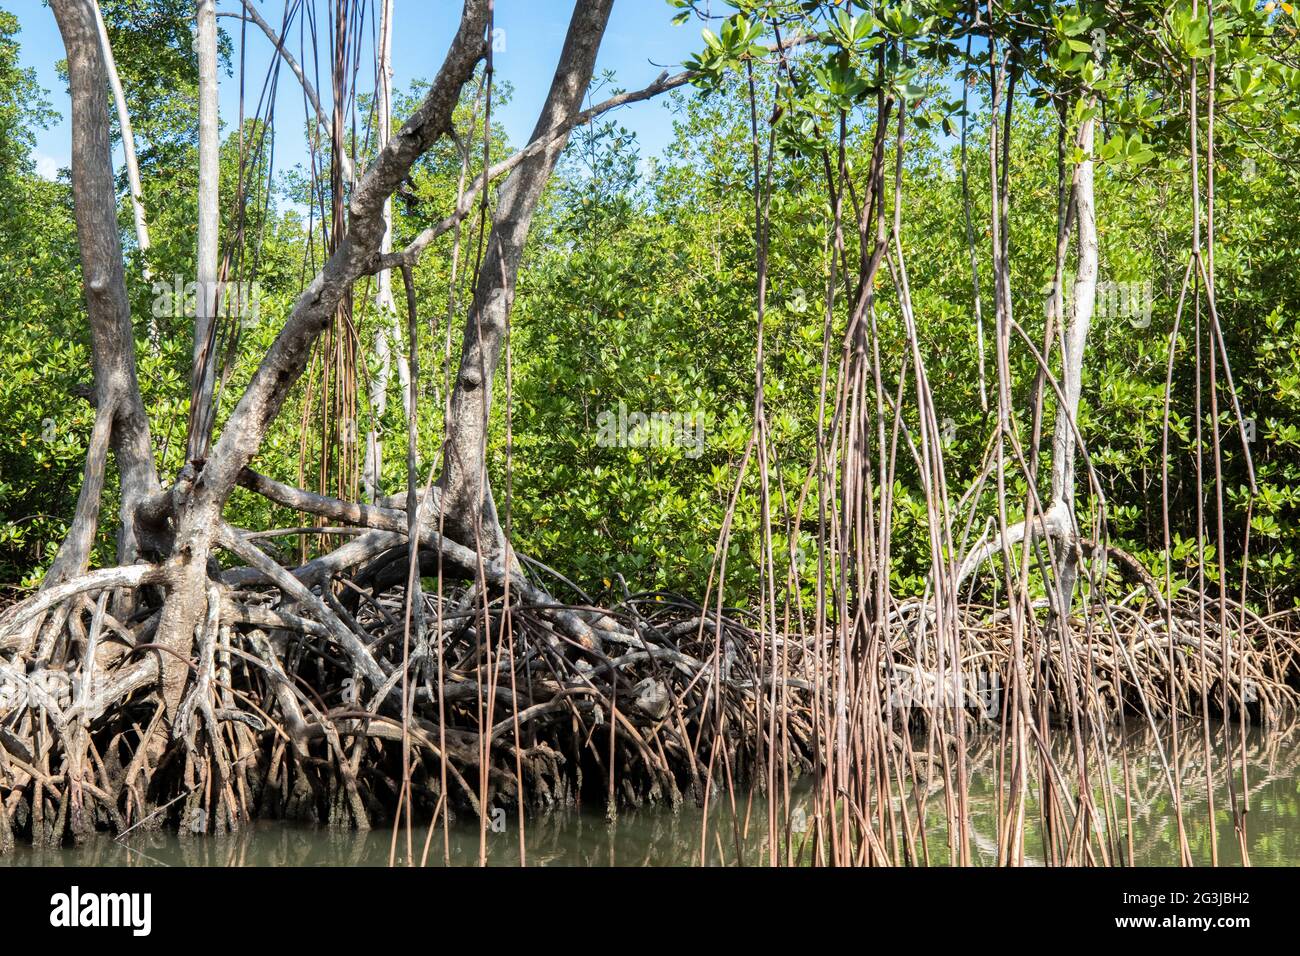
(293, 702)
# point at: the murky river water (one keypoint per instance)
(658, 836)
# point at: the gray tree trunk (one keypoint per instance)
(128, 139)
(1075, 342)
(119, 409)
(198, 502)
(386, 331)
(469, 511)
(205, 352)
(1058, 521)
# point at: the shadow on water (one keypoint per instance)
(657, 836)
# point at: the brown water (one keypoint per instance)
(664, 837)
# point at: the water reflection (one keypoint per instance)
(1144, 824)
(662, 837)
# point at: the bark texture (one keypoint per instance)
(1057, 522)
(205, 345)
(119, 409)
(198, 501)
(373, 464)
(128, 140)
(469, 511)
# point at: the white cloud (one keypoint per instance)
(47, 167)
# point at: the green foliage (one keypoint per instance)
(638, 295)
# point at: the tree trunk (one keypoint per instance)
(128, 140)
(117, 391)
(469, 511)
(198, 503)
(1075, 342)
(205, 351)
(1057, 523)
(372, 468)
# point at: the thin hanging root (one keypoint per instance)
(292, 705)
(264, 675)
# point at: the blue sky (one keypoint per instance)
(639, 43)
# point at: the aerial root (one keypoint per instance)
(293, 706)
(1179, 658)
(300, 701)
